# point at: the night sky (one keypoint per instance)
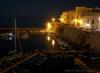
(35, 8)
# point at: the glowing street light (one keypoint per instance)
(53, 19)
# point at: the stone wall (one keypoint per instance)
(84, 38)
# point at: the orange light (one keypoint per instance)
(60, 19)
(77, 21)
(49, 27)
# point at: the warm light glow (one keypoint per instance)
(77, 21)
(48, 38)
(53, 19)
(99, 19)
(74, 21)
(61, 20)
(53, 42)
(49, 27)
(80, 21)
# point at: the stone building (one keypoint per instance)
(82, 17)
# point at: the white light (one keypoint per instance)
(10, 38)
(10, 34)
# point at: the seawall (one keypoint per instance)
(85, 38)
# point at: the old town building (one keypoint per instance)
(82, 17)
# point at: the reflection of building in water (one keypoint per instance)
(53, 42)
(48, 38)
(82, 17)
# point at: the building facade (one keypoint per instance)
(82, 17)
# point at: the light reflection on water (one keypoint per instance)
(53, 42)
(35, 41)
(48, 38)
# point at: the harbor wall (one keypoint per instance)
(85, 38)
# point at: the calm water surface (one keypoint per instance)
(32, 42)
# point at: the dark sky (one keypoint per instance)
(37, 8)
